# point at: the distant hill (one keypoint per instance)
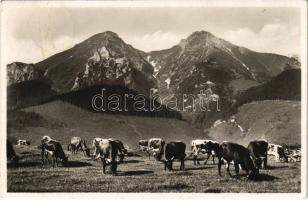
(277, 121)
(62, 120)
(285, 86)
(29, 93)
(118, 99)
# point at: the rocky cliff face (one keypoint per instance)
(18, 72)
(243, 66)
(102, 59)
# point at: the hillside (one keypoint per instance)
(117, 99)
(62, 120)
(285, 86)
(29, 93)
(276, 121)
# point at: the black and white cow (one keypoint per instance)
(143, 145)
(78, 144)
(209, 147)
(277, 151)
(23, 142)
(108, 151)
(52, 151)
(156, 146)
(122, 151)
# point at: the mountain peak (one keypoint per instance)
(106, 34)
(199, 38)
(200, 33)
(109, 33)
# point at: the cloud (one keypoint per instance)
(155, 41)
(32, 51)
(276, 37)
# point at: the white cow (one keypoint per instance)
(156, 146)
(23, 142)
(97, 141)
(295, 155)
(277, 151)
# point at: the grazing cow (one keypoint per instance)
(295, 155)
(277, 151)
(52, 151)
(239, 155)
(23, 142)
(174, 150)
(95, 141)
(78, 144)
(10, 153)
(121, 150)
(258, 152)
(156, 145)
(143, 145)
(212, 149)
(198, 146)
(108, 152)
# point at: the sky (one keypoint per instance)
(32, 35)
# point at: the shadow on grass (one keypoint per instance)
(132, 161)
(134, 173)
(198, 168)
(177, 186)
(24, 164)
(133, 154)
(264, 177)
(276, 167)
(77, 164)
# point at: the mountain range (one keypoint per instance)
(232, 74)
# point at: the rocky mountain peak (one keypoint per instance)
(18, 72)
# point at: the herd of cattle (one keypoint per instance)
(112, 152)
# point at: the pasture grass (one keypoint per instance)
(139, 174)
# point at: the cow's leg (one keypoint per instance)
(265, 162)
(285, 157)
(53, 162)
(237, 169)
(149, 154)
(228, 168)
(195, 159)
(277, 157)
(207, 158)
(114, 167)
(219, 165)
(182, 164)
(213, 159)
(104, 165)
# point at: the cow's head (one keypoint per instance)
(168, 163)
(157, 154)
(257, 163)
